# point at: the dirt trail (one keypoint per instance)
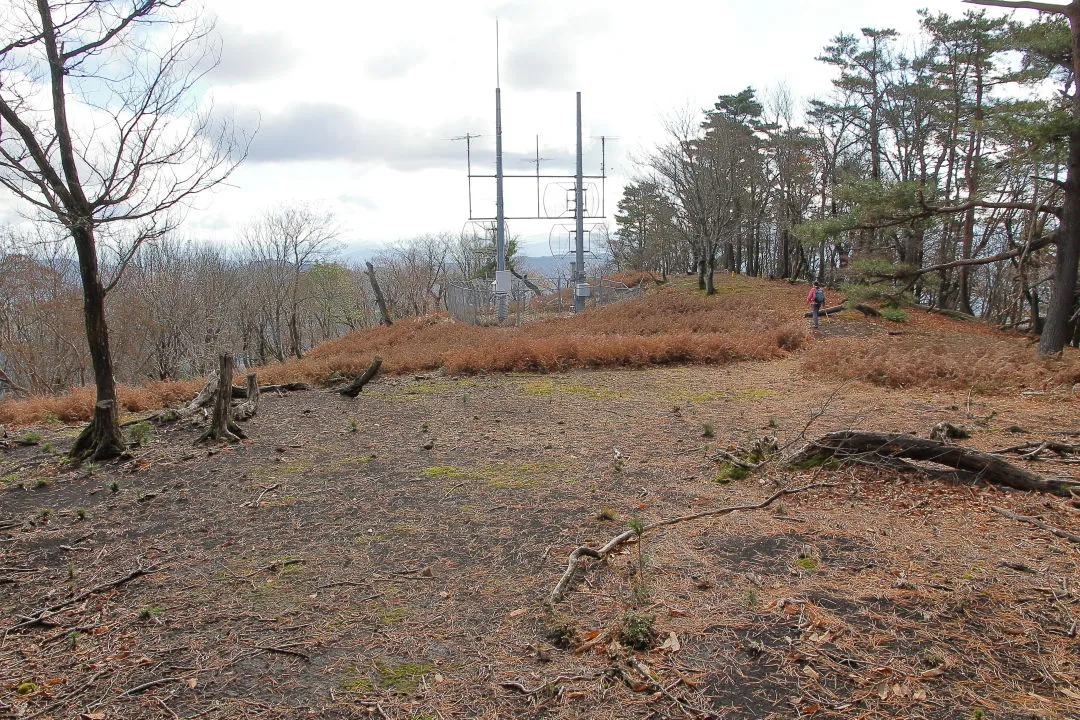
(390, 556)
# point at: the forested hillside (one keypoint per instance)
(936, 171)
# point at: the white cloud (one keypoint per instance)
(358, 101)
(252, 56)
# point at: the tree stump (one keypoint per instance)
(247, 409)
(222, 426)
(353, 389)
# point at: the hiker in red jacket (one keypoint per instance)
(816, 298)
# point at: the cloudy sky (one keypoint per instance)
(356, 102)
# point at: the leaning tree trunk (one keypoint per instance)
(101, 439)
(379, 299)
(357, 385)
(222, 426)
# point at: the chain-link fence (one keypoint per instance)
(476, 302)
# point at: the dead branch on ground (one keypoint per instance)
(240, 392)
(576, 558)
(42, 614)
(1058, 532)
(1032, 450)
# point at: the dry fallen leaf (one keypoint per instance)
(516, 613)
(671, 644)
(192, 682)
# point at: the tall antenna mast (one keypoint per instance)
(579, 222)
(502, 277)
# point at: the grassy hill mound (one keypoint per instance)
(748, 319)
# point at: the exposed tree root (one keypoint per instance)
(101, 439)
(205, 396)
(576, 558)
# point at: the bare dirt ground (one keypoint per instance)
(391, 556)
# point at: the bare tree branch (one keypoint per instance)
(1024, 5)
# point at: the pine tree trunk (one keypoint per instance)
(1055, 332)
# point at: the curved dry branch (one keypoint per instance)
(1057, 532)
(576, 558)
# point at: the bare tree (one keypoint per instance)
(104, 138)
(413, 272)
(280, 246)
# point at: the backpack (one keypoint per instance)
(819, 295)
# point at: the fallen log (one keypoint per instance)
(954, 314)
(827, 311)
(356, 386)
(866, 445)
(240, 392)
(247, 409)
(867, 310)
